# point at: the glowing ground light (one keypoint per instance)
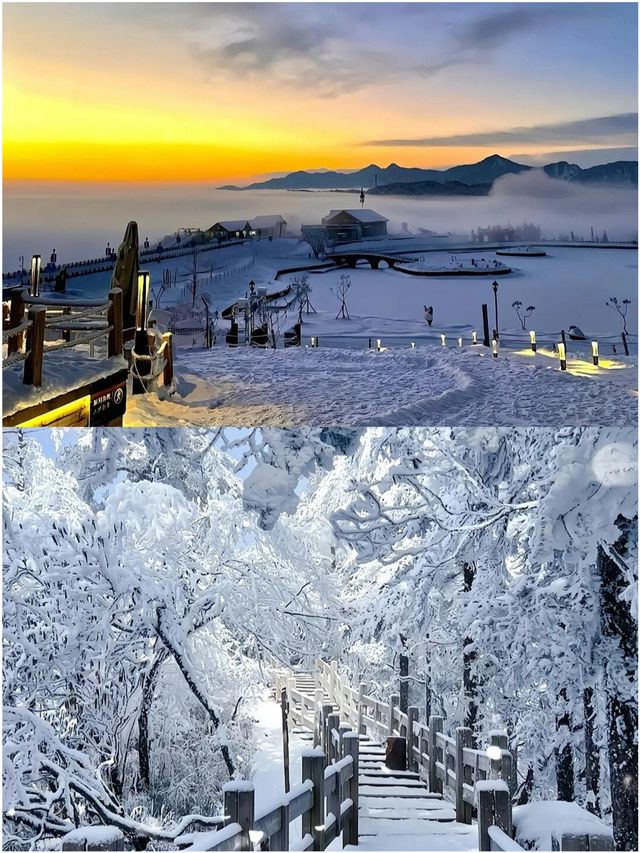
(443, 340)
(562, 355)
(494, 348)
(474, 337)
(459, 342)
(413, 344)
(378, 344)
(595, 352)
(313, 343)
(532, 338)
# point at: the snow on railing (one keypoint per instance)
(446, 761)
(25, 338)
(147, 368)
(334, 784)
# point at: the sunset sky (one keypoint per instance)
(230, 91)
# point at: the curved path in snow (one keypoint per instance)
(426, 386)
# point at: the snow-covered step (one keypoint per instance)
(373, 778)
(387, 826)
(376, 801)
(426, 810)
(405, 791)
(443, 837)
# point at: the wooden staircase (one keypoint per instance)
(396, 809)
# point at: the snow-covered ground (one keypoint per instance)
(567, 287)
(426, 386)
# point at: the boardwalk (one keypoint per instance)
(396, 809)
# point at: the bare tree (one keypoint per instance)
(621, 308)
(341, 292)
(517, 305)
(302, 290)
(318, 243)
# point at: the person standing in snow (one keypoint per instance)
(428, 314)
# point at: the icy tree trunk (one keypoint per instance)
(148, 690)
(619, 625)
(564, 756)
(195, 689)
(469, 656)
(592, 754)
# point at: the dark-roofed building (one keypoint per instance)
(231, 229)
(342, 226)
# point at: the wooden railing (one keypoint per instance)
(481, 779)
(326, 800)
(31, 319)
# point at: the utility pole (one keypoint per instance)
(194, 274)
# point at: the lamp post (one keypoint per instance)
(495, 300)
(34, 283)
(141, 366)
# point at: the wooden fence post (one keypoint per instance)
(412, 714)
(16, 316)
(326, 710)
(500, 767)
(114, 319)
(436, 724)
(362, 692)
(239, 807)
(463, 809)
(502, 808)
(494, 809)
(280, 840)
(352, 748)
(35, 346)
(313, 763)
(485, 817)
(167, 376)
(394, 701)
(404, 683)
(333, 721)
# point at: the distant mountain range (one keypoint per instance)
(399, 180)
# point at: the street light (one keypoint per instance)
(142, 364)
(495, 299)
(34, 284)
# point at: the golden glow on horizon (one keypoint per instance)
(119, 107)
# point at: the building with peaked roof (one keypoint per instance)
(259, 226)
(268, 226)
(230, 229)
(342, 226)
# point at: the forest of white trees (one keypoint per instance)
(154, 578)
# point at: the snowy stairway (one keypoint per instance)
(398, 812)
